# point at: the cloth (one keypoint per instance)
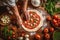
(3, 9)
(7, 2)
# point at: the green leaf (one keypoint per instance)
(10, 33)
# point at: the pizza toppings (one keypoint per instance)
(34, 20)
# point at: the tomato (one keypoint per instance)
(56, 24)
(37, 36)
(13, 36)
(55, 16)
(23, 34)
(54, 21)
(46, 30)
(30, 27)
(51, 29)
(36, 24)
(13, 33)
(58, 18)
(14, 28)
(34, 16)
(37, 19)
(49, 18)
(9, 37)
(47, 36)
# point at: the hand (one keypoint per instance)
(19, 21)
(27, 15)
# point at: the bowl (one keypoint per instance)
(56, 21)
(56, 35)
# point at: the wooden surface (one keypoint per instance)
(21, 30)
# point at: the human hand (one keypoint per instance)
(19, 21)
(27, 15)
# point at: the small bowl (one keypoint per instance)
(56, 34)
(35, 3)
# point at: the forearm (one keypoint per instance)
(15, 11)
(25, 5)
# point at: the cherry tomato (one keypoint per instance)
(13, 36)
(37, 36)
(23, 34)
(49, 18)
(14, 28)
(46, 30)
(9, 37)
(58, 18)
(47, 36)
(51, 29)
(54, 21)
(56, 24)
(28, 26)
(55, 16)
(13, 33)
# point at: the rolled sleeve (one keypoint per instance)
(12, 2)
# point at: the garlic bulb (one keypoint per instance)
(5, 19)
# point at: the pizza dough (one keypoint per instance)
(35, 22)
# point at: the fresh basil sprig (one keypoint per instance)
(50, 7)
